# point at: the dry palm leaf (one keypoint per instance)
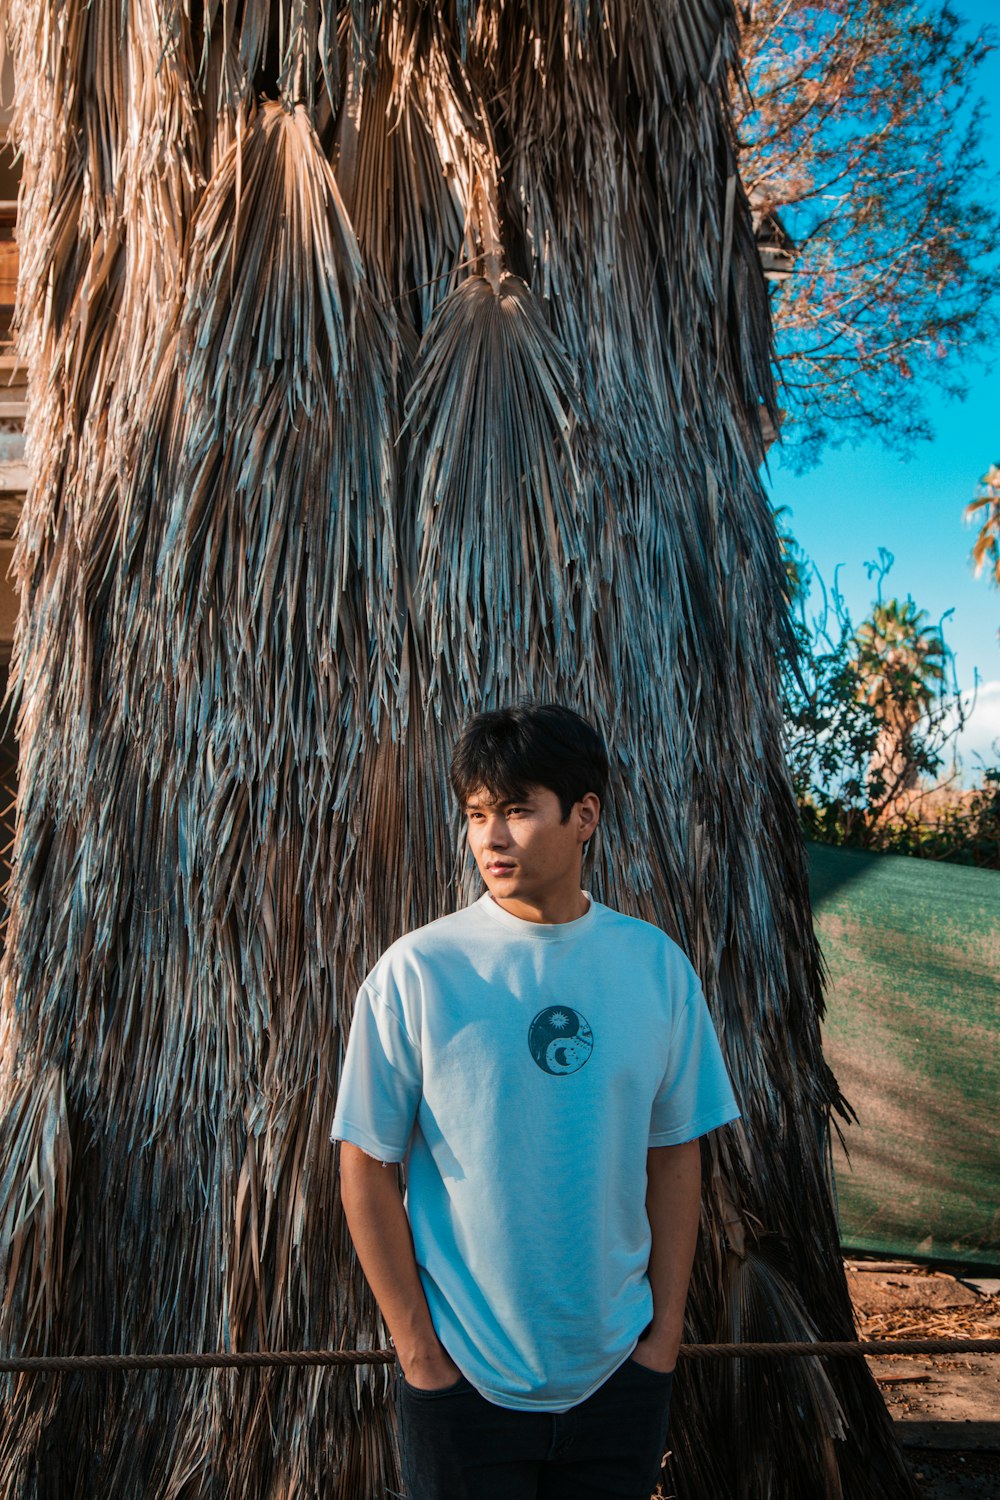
(489, 418)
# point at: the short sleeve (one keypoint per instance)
(695, 1094)
(380, 1082)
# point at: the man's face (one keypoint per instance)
(525, 852)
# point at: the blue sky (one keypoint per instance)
(859, 499)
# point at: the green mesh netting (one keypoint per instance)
(913, 950)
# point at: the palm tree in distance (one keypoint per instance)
(985, 508)
(900, 663)
(387, 362)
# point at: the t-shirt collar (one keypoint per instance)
(539, 932)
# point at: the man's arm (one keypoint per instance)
(380, 1230)
(673, 1205)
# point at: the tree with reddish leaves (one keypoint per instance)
(862, 138)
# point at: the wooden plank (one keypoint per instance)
(14, 477)
(950, 1437)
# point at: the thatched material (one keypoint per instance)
(386, 363)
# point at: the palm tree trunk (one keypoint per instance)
(384, 366)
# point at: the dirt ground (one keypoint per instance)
(946, 1408)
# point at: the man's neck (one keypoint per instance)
(561, 906)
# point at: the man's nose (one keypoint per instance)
(496, 833)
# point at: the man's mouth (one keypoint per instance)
(500, 867)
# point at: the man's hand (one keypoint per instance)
(430, 1371)
(656, 1354)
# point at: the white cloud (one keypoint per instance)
(975, 743)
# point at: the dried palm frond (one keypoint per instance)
(387, 361)
(489, 418)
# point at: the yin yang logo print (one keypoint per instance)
(560, 1040)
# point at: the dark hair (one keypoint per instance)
(508, 750)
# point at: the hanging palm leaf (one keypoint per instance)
(489, 418)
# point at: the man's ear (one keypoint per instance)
(590, 815)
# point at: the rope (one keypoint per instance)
(86, 1364)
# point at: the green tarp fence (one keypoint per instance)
(913, 1002)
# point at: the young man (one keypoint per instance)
(544, 1066)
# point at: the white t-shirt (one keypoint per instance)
(521, 1070)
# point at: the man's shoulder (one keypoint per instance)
(637, 929)
(433, 940)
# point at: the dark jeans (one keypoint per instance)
(456, 1445)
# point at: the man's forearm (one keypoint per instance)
(673, 1205)
(380, 1230)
